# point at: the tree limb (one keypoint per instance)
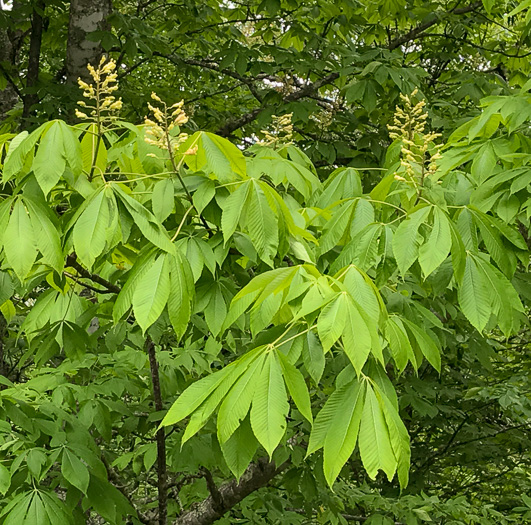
(71, 261)
(257, 475)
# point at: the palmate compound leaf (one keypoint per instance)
(197, 395)
(270, 405)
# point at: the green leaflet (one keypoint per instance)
(474, 295)
(357, 340)
(341, 438)
(91, 229)
(216, 156)
(152, 230)
(435, 250)
(262, 224)
(335, 228)
(124, 301)
(88, 151)
(399, 343)
(162, 199)
(239, 449)
(75, 471)
(270, 405)
(405, 239)
(297, 386)
(332, 321)
(47, 234)
(237, 402)
(233, 209)
(50, 159)
(181, 293)
(201, 390)
(425, 344)
(374, 441)
(19, 241)
(398, 436)
(152, 292)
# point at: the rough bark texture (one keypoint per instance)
(8, 96)
(86, 16)
(221, 500)
(31, 97)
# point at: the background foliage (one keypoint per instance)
(309, 317)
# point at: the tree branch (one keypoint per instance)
(257, 475)
(431, 20)
(160, 435)
(71, 261)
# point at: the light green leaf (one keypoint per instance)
(337, 226)
(19, 241)
(90, 229)
(357, 340)
(47, 235)
(262, 224)
(233, 208)
(162, 199)
(239, 449)
(341, 438)
(50, 161)
(399, 343)
(151, 293)
(374, 441)
(313, 356)
(5, 479)
(237, 402)
(426, 345)
(474, 295)
(435, 250)
(270, 406)
(331, 322)
(181, 293)
(405, 239)
(75, 471)
(297, 386)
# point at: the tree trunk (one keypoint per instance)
(8, 95)
(86, 16)
(31, 96)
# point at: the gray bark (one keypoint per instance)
(86, 16)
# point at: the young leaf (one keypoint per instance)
(357, 340)
(19, 241)
(296, 386)
(405, 241)
(341, 439)
(90, 229)
(435, 250)
(239, 449)
(270, 405)
(162, 199)
(331, 322)
(233, 208)
(50, 161)
(75, 471)
(374, 440)
(151, 293)
(474, 295)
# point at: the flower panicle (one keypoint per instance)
(419, 150)
(103, 105)
(282, 132)
(164, 120)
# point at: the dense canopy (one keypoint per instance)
(265, 262)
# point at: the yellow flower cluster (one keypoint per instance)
(282, 133)
(158, 129)
(409, 125)
(102, 103)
